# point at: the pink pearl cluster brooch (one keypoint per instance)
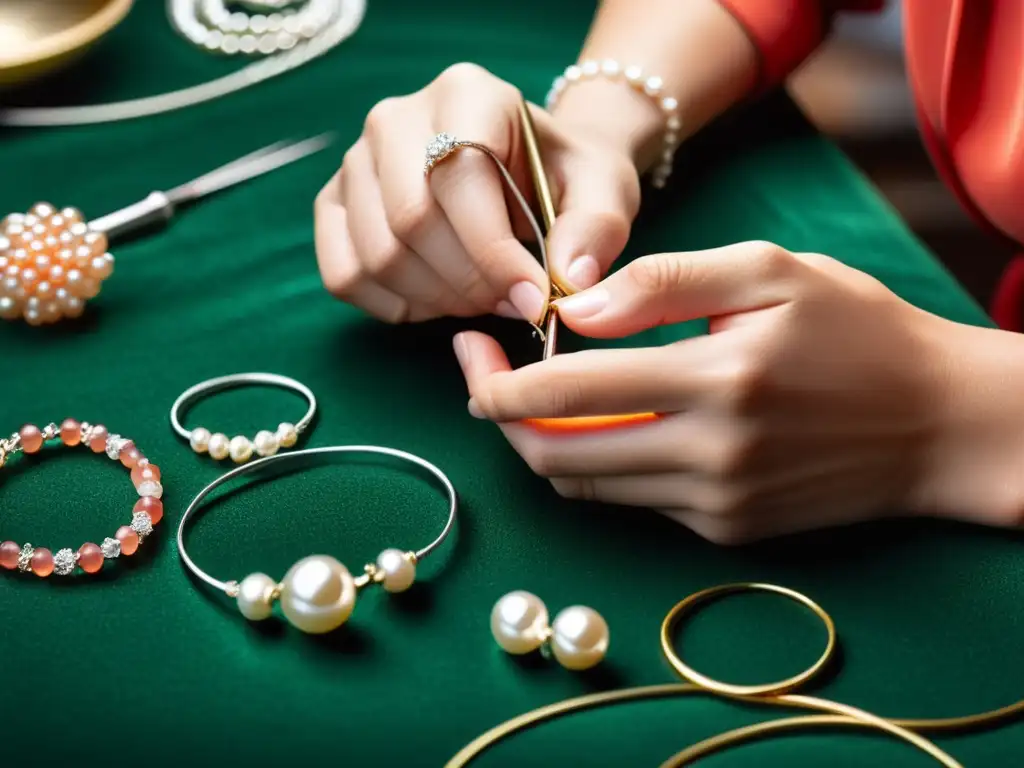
(148, 510)
(51, 264)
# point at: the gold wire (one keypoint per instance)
(837, 714)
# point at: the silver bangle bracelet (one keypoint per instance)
(241, 448)
(318, 593)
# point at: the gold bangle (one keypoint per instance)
(683, 607)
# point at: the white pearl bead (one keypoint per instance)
(653, 86)
(255, 600)
(590, 68)
(573, 73)
(634, 74)
(200, 439)
(151, 488)
(399, 571)
(318, 594)
(519, 622)
(579, 637)
(266, 443)
(240, 449)
(219, 446)
(610, 68)
(287, 435)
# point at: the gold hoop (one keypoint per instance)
(687, 606)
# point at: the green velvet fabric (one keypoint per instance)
(142, 665)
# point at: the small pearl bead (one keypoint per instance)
(151, 488)
(399, 571)
(590, 68)
(219, 446)
(653, 86)
(573, 73)
(669, 104)
(519, 622)
(287, 435)
(266, 443)
(318, 594)
(610, 68)
(240, 449)
(634, 74)
(101, 268)
(579, 637)
(255, 596)
(674, 123)
(200, 439)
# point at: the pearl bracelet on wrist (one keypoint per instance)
(633, 75)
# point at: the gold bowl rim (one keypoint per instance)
(71, 39)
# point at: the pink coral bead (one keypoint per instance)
(98, 441)
(9, 552)
(71, 432)
(145, 471)
(129, 540)
(90, 557)
(31, 438)
(130, 455)
(152, 507)
(42, 562)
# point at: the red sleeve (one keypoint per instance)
(785, 32)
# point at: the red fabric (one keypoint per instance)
(965, 62)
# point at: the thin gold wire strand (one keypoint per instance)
(837, 714)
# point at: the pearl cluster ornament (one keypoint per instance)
(147, 512)
(651, 86)
(240, 448)
(577, 638)
(318, 594)
(51, 264)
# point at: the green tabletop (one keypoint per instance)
(141, 665)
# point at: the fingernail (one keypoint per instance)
(584, 272)
(461, 350)
(527, 298)
(507, 310)
(474, 409)
(583, 305)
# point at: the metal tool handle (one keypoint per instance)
(157, 208)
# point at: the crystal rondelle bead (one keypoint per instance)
(114, 445)
(25, 558)
(142, 524)
(64, 562)
(110, 548)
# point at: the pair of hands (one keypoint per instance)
(818, 398)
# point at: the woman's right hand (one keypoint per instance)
(407, 248)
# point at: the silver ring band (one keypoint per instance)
(229, 587)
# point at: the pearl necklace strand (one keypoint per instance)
(211, 25)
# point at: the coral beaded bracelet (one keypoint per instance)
(148, 510)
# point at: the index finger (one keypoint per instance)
(469, 188)
(593, 383)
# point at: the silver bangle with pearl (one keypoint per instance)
(634, 76)
(240, 448)
(318, 593)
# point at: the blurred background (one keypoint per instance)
(855, 90)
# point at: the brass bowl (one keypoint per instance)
(39, 36)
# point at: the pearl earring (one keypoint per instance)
(577, 638)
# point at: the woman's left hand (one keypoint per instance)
(818, 398)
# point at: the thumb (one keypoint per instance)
(670, 288)
(598, 206)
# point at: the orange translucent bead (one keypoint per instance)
(9, 552)
(98, 442)
(71, 432)
(130, 455)
(31, 438)
(152, 507)
(90, 557)
(129, 540)
(42, 562)
(144, 471)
